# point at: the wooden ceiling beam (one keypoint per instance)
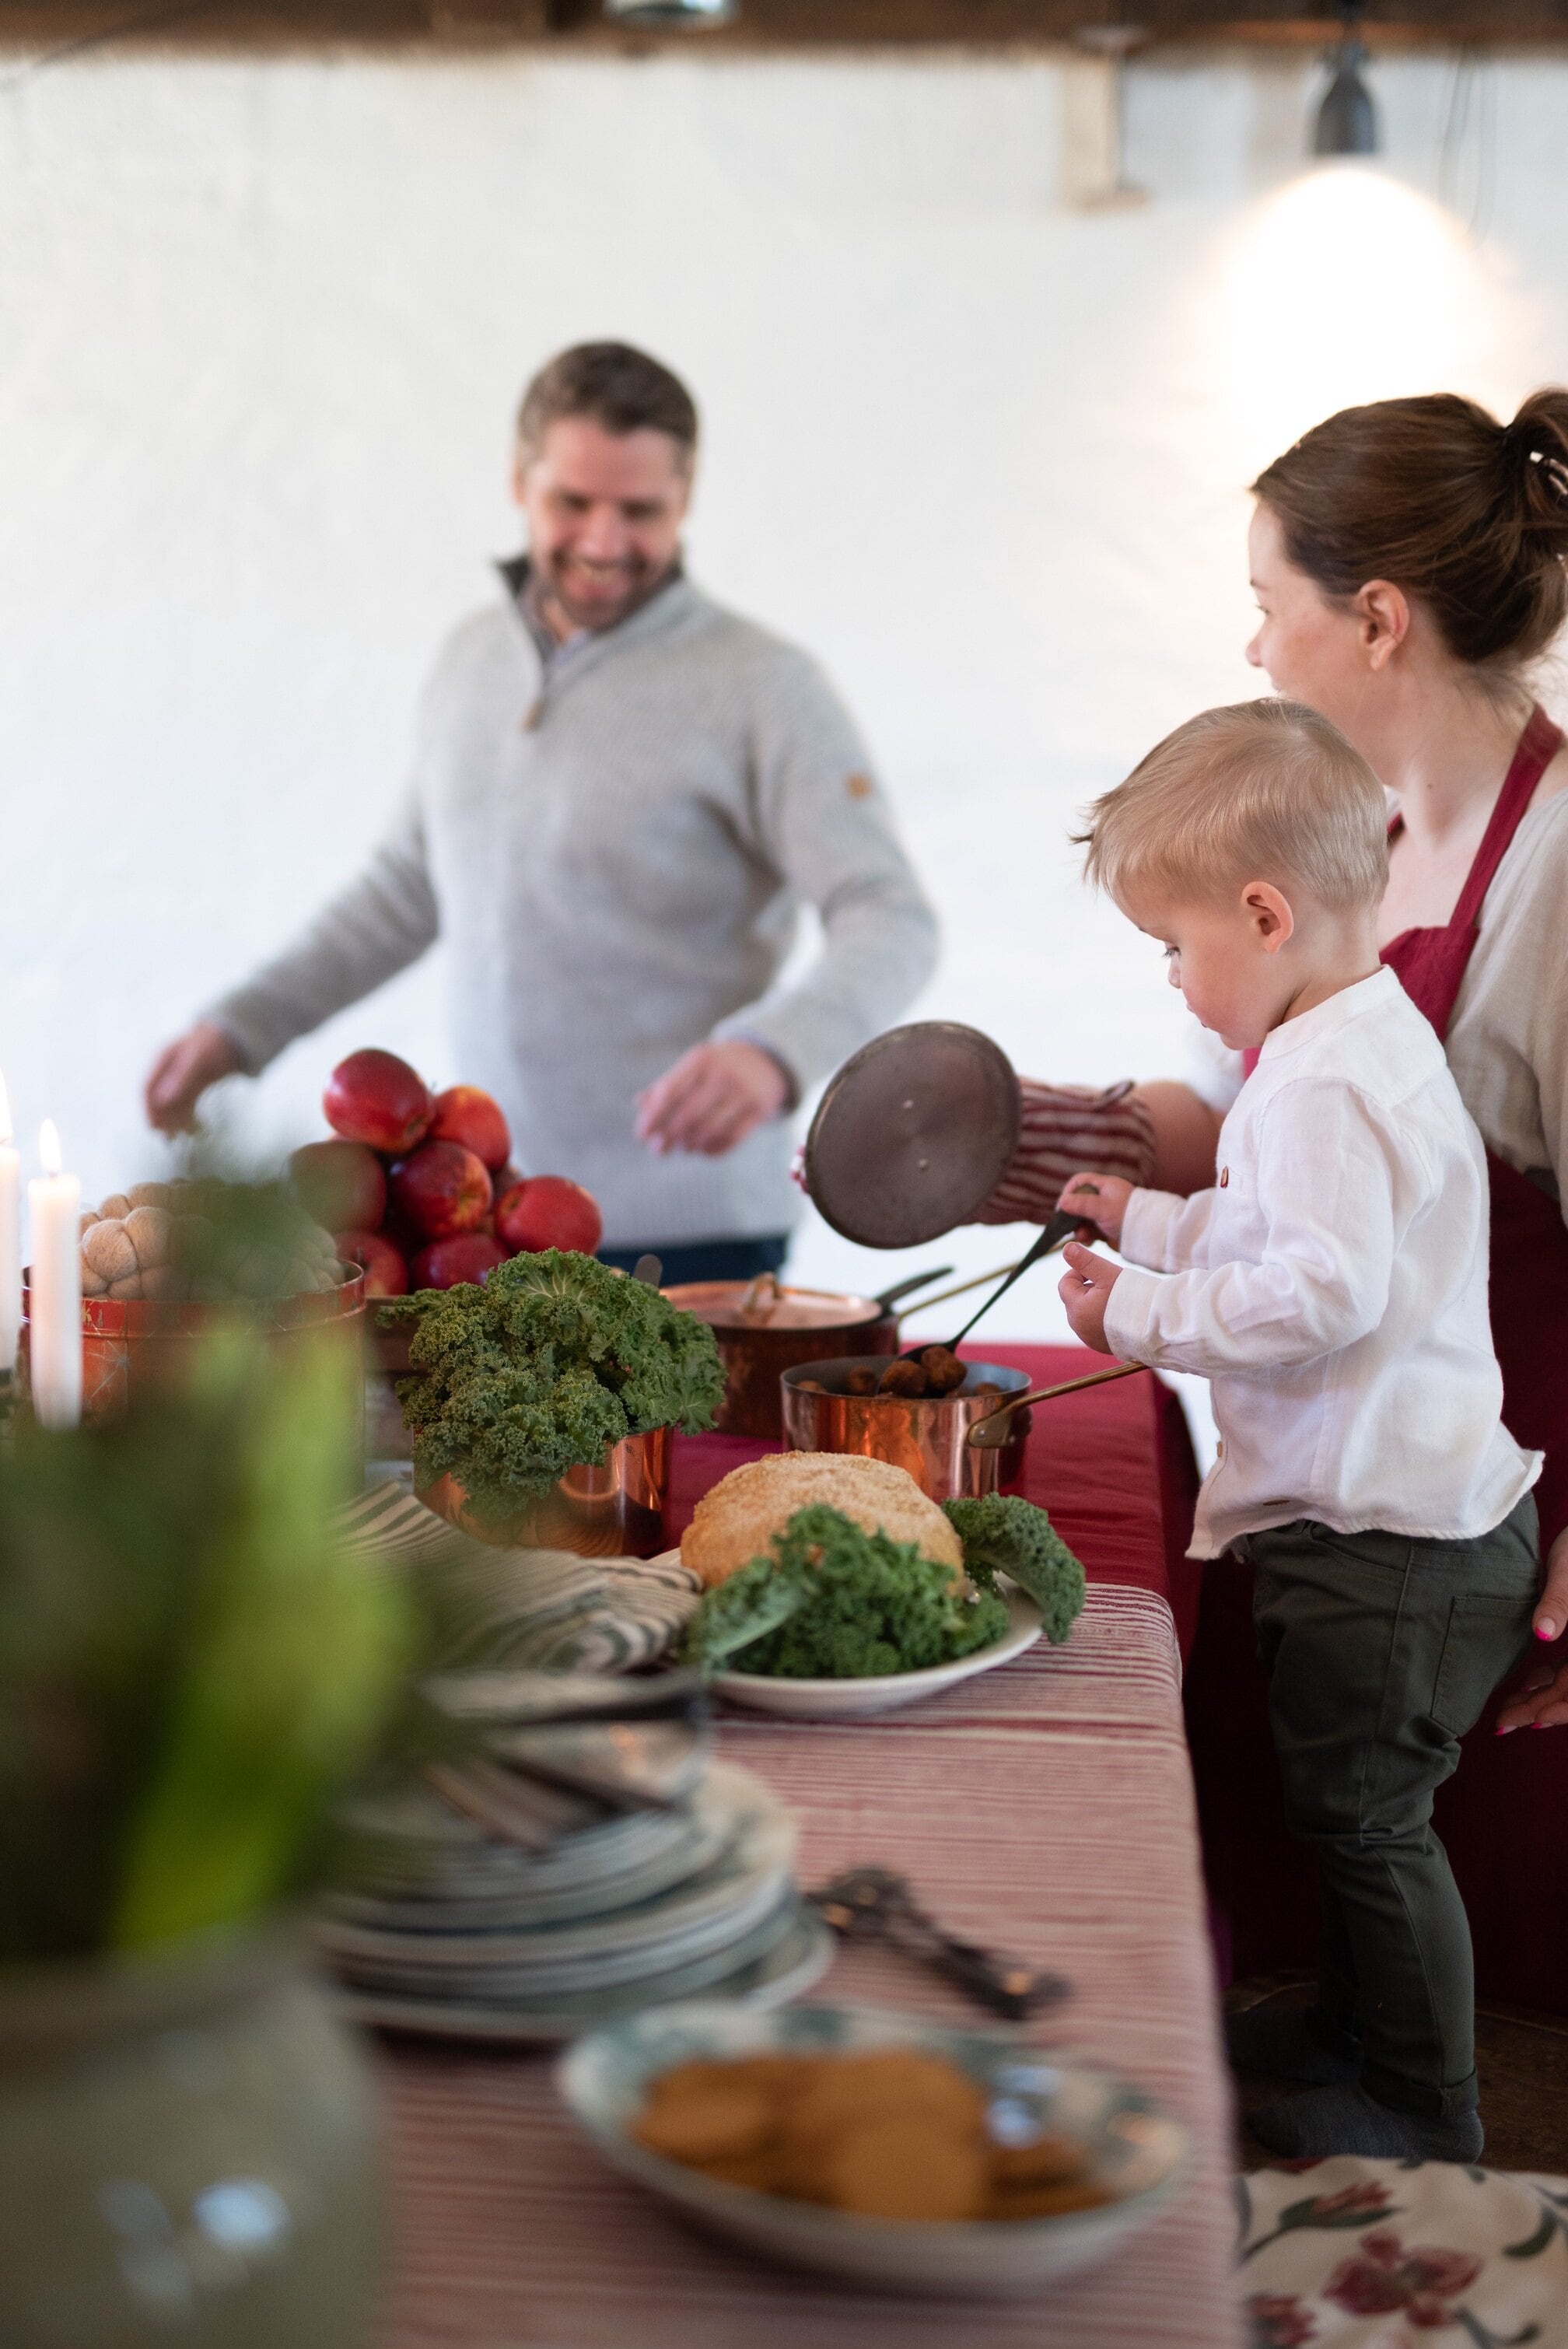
(771, 25)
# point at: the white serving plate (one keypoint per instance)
(853, 1700)
(1137, 2150)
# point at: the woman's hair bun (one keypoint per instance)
(1536, 452)
(1468, 517)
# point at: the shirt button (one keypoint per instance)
(1224, 1177)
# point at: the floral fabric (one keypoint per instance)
(1353, 2254)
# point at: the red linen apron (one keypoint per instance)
(1529, 1239)
(1502, 1816)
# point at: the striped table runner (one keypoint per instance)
(1044, 1808)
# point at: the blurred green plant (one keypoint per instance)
(189, 1665)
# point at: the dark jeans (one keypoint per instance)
(709, 1259)
(1381, 1651)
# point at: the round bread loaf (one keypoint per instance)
(738, 1519)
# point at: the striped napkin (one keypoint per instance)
(524, 1609)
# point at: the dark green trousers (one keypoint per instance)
(1381, 1651)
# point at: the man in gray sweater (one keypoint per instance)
(622, 795)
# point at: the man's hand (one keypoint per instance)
(712, 1099)
(1103, 1201)
(1541, 1700)
(1084, 1291)
(182, 1073)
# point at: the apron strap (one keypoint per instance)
(1538, 745)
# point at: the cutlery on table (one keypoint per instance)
(874, 1904)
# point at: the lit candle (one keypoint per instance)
(55, 1305)
(10, 1238)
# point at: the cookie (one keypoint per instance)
(893, 2167)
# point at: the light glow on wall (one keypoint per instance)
(1348, 285)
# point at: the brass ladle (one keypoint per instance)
(990, 1434)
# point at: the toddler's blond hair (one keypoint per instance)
(1260, 791)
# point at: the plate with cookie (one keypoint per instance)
(834, 1587)
(877, 2146)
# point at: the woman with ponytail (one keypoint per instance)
(1408, 558)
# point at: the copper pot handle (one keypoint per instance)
(991, 1433)
(762, 1294)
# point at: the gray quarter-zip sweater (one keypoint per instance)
(614, 850)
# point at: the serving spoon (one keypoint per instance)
(1053, 1235)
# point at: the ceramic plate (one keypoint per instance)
(410, 1842)
(689, 1920)
(849, 1700)
(1135, 2149)
(781, 1960)
(695, 1840)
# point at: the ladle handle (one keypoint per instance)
(1043, 1394)
(959, 1289)
(1060, 1229)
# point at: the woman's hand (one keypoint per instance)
(1541, 1700)
(1102, 1199)
(1085, 1290)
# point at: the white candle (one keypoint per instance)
(55, 1310)
(10, 1238)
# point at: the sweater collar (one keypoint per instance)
(671, 600)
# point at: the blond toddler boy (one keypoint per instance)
(1333, 1286)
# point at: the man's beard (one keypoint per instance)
(637, 587)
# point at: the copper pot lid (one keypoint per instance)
(913, 1135)
(763, 1304)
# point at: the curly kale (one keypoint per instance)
(534, 1372)
(1004, 1535)
(835, 1603)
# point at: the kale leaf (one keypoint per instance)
(835, 1603)
(1004, 1534)
(536, 1372)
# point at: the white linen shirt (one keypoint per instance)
(1333, 1286)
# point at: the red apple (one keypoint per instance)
(342, 1184)
(376, 1098)
(386, 1274)
(466, 1257)
(546, 1211)
(441, 1188)
(464, 1113)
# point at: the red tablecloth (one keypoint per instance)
(1046, 1809)
(1113, 1465)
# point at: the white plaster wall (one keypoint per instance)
(261, 330)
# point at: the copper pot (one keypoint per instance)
(130, 1342)
(764, 1329)
(928, 1436)
(613, 1509)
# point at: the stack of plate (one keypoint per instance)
(515, 1892)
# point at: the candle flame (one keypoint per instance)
(48, 1147)
(4, 1112)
